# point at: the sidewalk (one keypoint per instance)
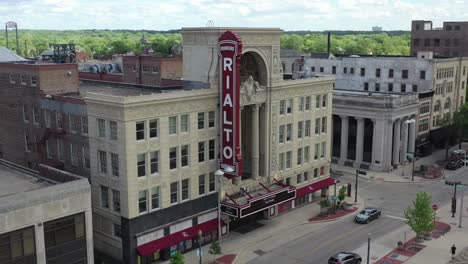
(403, 173)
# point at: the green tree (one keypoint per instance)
(215, 249)
(420, 217)
(342, 193)
(177, 258)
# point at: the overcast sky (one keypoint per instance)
(174, 14)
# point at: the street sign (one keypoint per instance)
(452, 182)
(334, 198)
(435, 207)
(361, 172)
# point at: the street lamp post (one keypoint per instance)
(200, 234)
(334, 198)
(368, 247)
(408, 122)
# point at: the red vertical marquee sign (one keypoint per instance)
(230, 52)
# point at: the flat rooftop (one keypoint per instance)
(13, 181)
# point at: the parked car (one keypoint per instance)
(367, 215)
(345, 258)
(454, 164)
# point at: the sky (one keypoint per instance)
(315, 15)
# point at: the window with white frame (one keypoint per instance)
(316, 151)
(36, 115)
(288, 132)
(307, 103)
(317, 126)
(211, 149)
(116, 200)
(184, 123)
(289, 106)
(324, 100)
(102, 161)
(140, 130)
(307, 128)
(201, 184)
(281, 161)
(316, 173)
(317, 101)
(184, 155)
(324, 124)
(141, 164)
(306, 154)
(142, 202)
(281, 134)
(173, 158)
(155, 198)
(185, 189)
(424, 108)
(113, 130)
(84, 125)
(300, 125)
(301, 104)
(114, 164)
(174, 192)
(104, 196)
(298, 178)
(47, 118)
(211, 119)
(153, 128)
(154, 162)
(324, 146)
(73, 127)
(33, 80)
(25, 114)
(172, 125)
(211, 182)
(60, 149)
(282, 108)
(201, 120)
(73, 156)
(101, 127)
(299, 156)
(306, 176)
(201, 151)
(85, 156)
(423, 124)
(288, 159)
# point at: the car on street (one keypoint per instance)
(454, 164)
(367, 215)
(345, 258)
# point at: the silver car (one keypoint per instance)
(367, 215)
(345, 258)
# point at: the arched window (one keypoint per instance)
(437, 106)
(447, 104)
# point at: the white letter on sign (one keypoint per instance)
(227, 100)
(228, 134)
(227, 64)
(225, 121)
(227, 152)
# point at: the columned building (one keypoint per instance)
(373, 130)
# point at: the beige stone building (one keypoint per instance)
(154, 151)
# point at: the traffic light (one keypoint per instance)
(452, 182)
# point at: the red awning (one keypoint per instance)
(315, 186)
(172, 239)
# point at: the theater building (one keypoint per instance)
(154, 151)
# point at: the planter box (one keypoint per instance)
(348, 206)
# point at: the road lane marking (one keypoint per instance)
(396, 217)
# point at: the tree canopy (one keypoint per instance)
(419, 217)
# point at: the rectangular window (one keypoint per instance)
(184, 155)
(48, 121)
(211, 119)
(116, 200)
(140, 130)
(306, 176)
(300, 129)
(317, 101)
(377, 72)
(301, 104)
(73, 123)
(298, 178)
(73, 156)
(322, 154)
(423, 125)
(307, 103)
(25, 114)
(390, 87)
(403, 88)
(33, 80)
(101, 127)
(404, 74)
(173, 158)
(185, 189)
(155, 69)
(145, 68)
(142, 202)
(211, 182)
(316, 174)
(390, 73)
(425, 108)
(316, 151)
(201, 184)
(113, 130)
(289, 106)
(366, 86)
(351, 70)
(154, 162)
(377, 87)
(84, 124)
(288, 159)
(312, 69)
(48, 152)
(317, 126)
(141, 164)
(306, 154)
(281, 134)
(281, 161)
(282, 107)
(324, 100)
(288, 132)
(307, 128)
(211, 149)
(60, 149)
(104, 197)
(333, 69)
(299, 156)
(117, 230)
(422, 75)
(201, 151)
(155, 197)
(324, 124)
(36, 116)
(415, 88)
(26, 142)
(172, 125)
(321, 69)
(201, 120)
(184, 123)
(153, 128)
(363, 71)
(288, 181)
(85, 154)
(345, 70)
(115, 164)
(174, 192)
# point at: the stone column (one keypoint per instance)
(344, 139)
(396, 142)
(255, 142)
(404, 140)
(412, 136)
(359, 140)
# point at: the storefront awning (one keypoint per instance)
(315, 186)
(172, 239)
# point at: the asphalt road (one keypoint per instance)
(345, 235)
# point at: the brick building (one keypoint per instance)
(449, 41)
(153, 71)
(43, 118)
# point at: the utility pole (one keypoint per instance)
(355, 187)
(461, 210)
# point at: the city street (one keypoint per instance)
(345, 235)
